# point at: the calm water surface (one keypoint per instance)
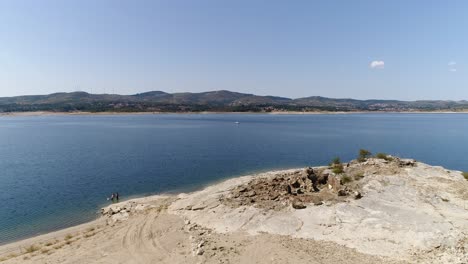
(56, 171)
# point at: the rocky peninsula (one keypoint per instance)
(375, 210)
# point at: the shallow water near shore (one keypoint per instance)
(56, 171)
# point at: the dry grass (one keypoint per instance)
(59, 246)
(31, 249)
(68, 236)
(89, 234)
(12, 255)
(359, 175)
(346, 179)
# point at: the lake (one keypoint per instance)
(57, 170)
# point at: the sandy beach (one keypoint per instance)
(392, 212)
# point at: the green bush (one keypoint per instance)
(383, 156)
(346, 179)
(336, 160)
(359, 175)
(465, 174)
(338, 168)
(363, 155)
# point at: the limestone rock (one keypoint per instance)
(298, 205)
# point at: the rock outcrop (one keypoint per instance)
(391, 207)
(121, 211)
(299, 189)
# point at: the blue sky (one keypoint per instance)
(406, 50)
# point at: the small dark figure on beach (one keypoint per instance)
(112, 197)
(117, 196)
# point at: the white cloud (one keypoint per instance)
(452, 63)
(453, 70)
(377, 64)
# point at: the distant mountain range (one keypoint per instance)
(215, 101)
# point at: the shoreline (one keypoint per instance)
(47, 113)
(57, 233)
(200, 217)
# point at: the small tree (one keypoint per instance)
(363, 155)
(337, 166)
(336, 160)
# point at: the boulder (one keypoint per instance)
(322, 178)
(342, 192)
(296, 184)
(407, 162)
(251, 194)
(105, 211)
(334, 182)
(298, 205)
(200, 251)
(357, 195)
(114, 209)
(122, 216)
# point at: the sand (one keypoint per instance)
(156, 236)
(408, 215)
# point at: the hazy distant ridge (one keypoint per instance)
(210, 101)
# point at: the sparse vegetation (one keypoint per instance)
(68, 236)
(90, 234)
(383, 156)
(49, 244)
(336, 165)
(363, 155)
(31, 249)
(465, 174)
(346, 179)
(336, 161)
(359, 175)
(12, 255)
(338, 168)
(58, 246)
(90, 229)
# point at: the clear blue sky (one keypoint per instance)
(286, 48)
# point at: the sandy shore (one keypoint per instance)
(412, 214)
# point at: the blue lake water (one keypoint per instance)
(56, 171)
